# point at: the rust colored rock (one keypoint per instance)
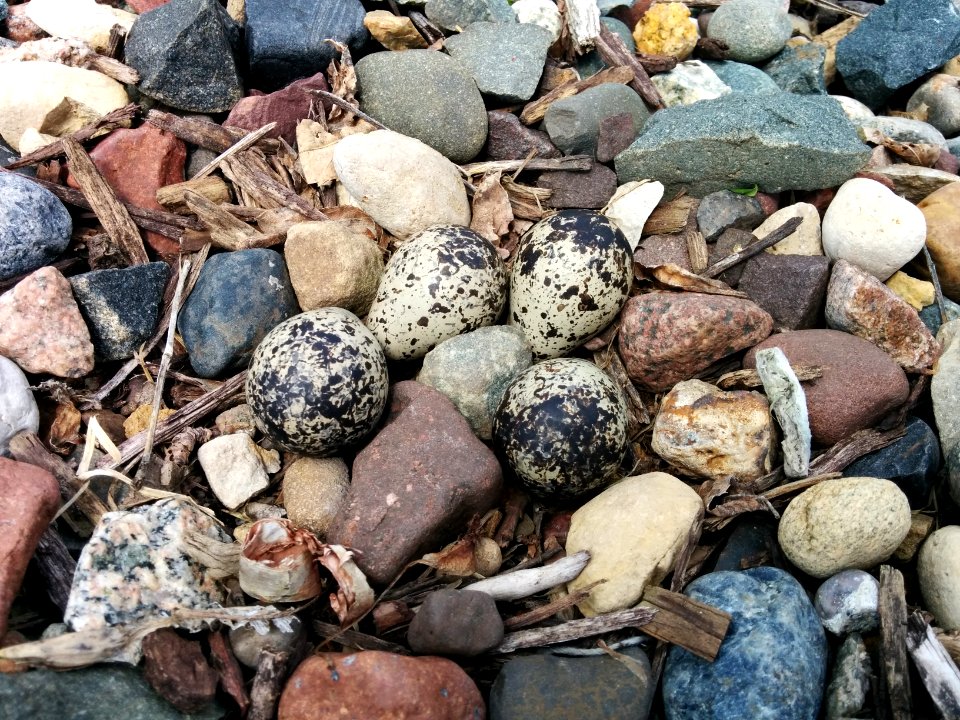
(662, 250)
(789, 287)
(509, 139)
(859, 386)
(20, 28)
(41, 328)
(861, 305)
(142, 6)
(176, 668)
(590, 189)
(941, 210)
(415, 484)
(29, 498)
(286, 107)
(668, 337)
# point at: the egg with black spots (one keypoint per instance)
(318, 382)
(444, 281)
(571, 276)
(562, 428)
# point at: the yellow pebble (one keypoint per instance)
(140, 418)
(917, 293)
(666, 29)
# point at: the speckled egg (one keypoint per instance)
(318, 382)
(572, 275)
(562, 428)
(444, 281)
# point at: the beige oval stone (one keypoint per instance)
(314, 490)
(805, 240)
(852, 522)
(85, 20)
(633, 531)
(938, 568)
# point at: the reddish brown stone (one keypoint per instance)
(591, 189)
(376, 684)
(662, 249)
(29, 498)
(820, 199)
(20, 28)
(616, 134)
(416, 484)
(286, 107)
(630, 15)
(877, 177)
(947, 162)
(142, 6)
(668, 337)
(769, 203)
(860, 382)
(176, 668)
(509, 139)
(789, 287)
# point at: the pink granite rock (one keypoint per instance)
(142, 6)
(286, 107)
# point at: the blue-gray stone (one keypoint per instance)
(426, 95)
(505, 59)
(287, 39)
(541, 686)
(94, 693)
(239, 297)
(591, 63)
(896, 44)
(799, 69)
(453, 14)
(35, 227)
(912, 462)
(772, 663)
(724, 209)
(9, 155)
(778, 141)
(743, 78)
(931, 314)
(183, 53)
(573, 123)
(121, 306)
(753, 30)
(3, 9)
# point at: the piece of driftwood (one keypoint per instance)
(226, 230)
(583, 22)
(204, 133)
(56, 565)
(571, 162)
(523, 583)
(936, 669)
(267, 684)
(920, 528)
(615, 53)
(755, 248)
(671, 217)
(680, 620)
(535, 110)
(231, 676)
(576, 630)
(894, 671)
(843, 453)
(697, 251)
(749, 378)
(248, 141)
(354, 639)
(608, 359)
(211, 187)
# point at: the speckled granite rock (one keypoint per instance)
(34, 226)
(792, 288)
(799, 69)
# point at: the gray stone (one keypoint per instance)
(945, 388)
(35, 227)
(509, 139)
(427, 95)
(742, 78)
(914, 182)
(850, 683)
(799, 69)
(931, 314)
(453, 14)
(849, 602)
(792, 288)
(18, 408)
(898, 43)
(591, 63)
(731, 241)
(722, 210)
(780, 142)
(9, 155)
(573, 123)
(941, 95)
(280, 635)
(576, 189)
(754, 30)
(463, 623)
(905, 130)
(506, 60)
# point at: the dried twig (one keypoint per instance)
(267, 685)
(614, 52)
(935, 279)
(895, 674)
(571, 162)
(344, 105)
(575, 630)
(752, 249)
(248, 141)
(355, 639)
(550, 609)
(523, 583)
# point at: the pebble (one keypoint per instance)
(722, 210)
(183, 54)
(662, 250)
(236, 468)
(631, 206)
(931, 314)
(665, 29)
(372, 166)
(805, 240)
(689, 82)
(332, 265)
(239, 297)
(715, 434)
(629, 561)
(850, 522)
(668, 337)
(939, 575)
(791, 288)
(904, 129)
(121, 306)
(941, 96)
(799, 69)
(850, 683)
(753, 30)
(580, 190)
(772, 661)
(941, 212)
(18, 408)
(314, 490)
(570, 688)
(282, 636)
(454, 15)
(742, 78)
(462, 623)
(918, 294)
(855, 110)
(426, 95)
(752, 543)
(236, 419)
(945, 387)
(286, 107)
(377, 684)
(35, 226)
(422, 476)
(849, 602)
(84, 20)
(509, 139)
(474, 370)
(573, 123)
(543, 13)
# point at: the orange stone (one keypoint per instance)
(941, 210)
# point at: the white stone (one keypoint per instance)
(689, 82)
(938, 569)
(870, 227)
(403, 184)
(853, 108)
(540, 12)
(18, 408)
(236, 468)
(630, 207)
(805, 240)
(633, 531)
(789, 404)
(85, 20)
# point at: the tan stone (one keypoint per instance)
(666, 29)
(916, 293)
(952, 67)
(941, 210)
(314, 490)
(85, 20)
(805, 240)
(394, 32)
(938, 569)
(139, 419)
(633, 531)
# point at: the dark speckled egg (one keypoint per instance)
(571, 276)
(443, 282)
(318, 382)
(562, 428)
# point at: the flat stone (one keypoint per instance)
(286, 107)
(753, 30)
(851, 680)
(662, 250)
(573, 123)
(805, 240)
(452, 15)
(903, 129)
(725, 209)
(773, 659)
(799, 69)
(792, 288)
(576, 189)
(236, 468)
(742, 78)
(939, 575)
(509, 139)
(18, 408)
(941, 211)
(689, 82)
(314, 490)
(849, 602)
(915, 183)
(84, 20)
(35, 226)
(463, 623)
(778, 141)
(665, 29)
(941, 96)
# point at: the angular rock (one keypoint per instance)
(453, 14)
(792, 288)
(615, 135)
(18, 408)
(664, 249)
(742, 78)
(913, 182)
(941, 212)
(509, 139)
(455, 622)
(852, 672)
(665, 29)
(286, 107)
(85, 20)
(394, 32)
(236, 468)
(668, 337)
(805, 240)
(918, 294)
(689, 82)
(778, 141)
(722, 210)
(849, 602)
(176, 668)
(573, 123)
(938, 569)
(416, 482)
(591, 189)
(35, 227)
(753, 30)
(314, 490)
(799, 69)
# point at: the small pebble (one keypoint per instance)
(236, 468)
(722, 210)
(237, 419)
(314, 490)
(689, 82)
(941, 96)
(850, 684)
(666, 29)
(34, 226)
(849, 602)
(455, 622)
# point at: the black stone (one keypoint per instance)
(456, 622)
(752, 543)
(722, 210)
(792, 288)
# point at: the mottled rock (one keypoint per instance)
(615, 135)
(742, 78)
(509, 139)
(754, 30)
(576, 189)
(573, 123)
(805, 240)
(941, 212)
(665, 29)
(314, 490)
(34, 226)
(455, 622)
(18, 408)
(662, 250)
(938, 569)
(722, 210)
(850, 683)
(689, 82)
(286, 107)
(799, 69)
(792, 288)
(236, 468)
(941, 96)
(849, 602)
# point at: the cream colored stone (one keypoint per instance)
(851, 522)
(938, 569)
(32, 140)
(805, 240)
(630, 207)
(314, 490)
(85, 20)
(236, 468)
(916, 293)
(633, 531)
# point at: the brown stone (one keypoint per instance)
(455, 622)
(861, 305)
(941, 210)
(41, 328)
(791, 288)
(286, 107)
(29, 498)
(415, 484)
(859, 386)
(142, 6)
(376, 684)
(509, 139)
(176, 668)
(590, 189)
(663, 249)
(616, 134)
(20, 28)
(668, 337)
(947, 161)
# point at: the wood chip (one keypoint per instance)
(894, 672)
(211, 188)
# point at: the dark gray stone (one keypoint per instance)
(753, 543)
(896, 44)
(455, 622)
(591, 189)
(573, 123)
(121, 306)
(9, 155)
(931, 314)
(35, 227)
(427, 95)
(286, 39)
(591, 63)
(743, 78)
(451, 14)
(850, 682)
(731, 241)
(239, 297)
(772, 663)
(505, 59)
(792, 288)
(799, 69)
(724, 209)
(510, 139)
(183, 53)
(535, 687)
(778, 141)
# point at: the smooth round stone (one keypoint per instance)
(849, 602)
(314, 490)
(35, 227)
(742, 78)
(941, 95)
(18, 408)
(906, 130)
(573, 123)
(772, 663)
(754, 30)
(455, 622)
(938, 569)
(853, 108)
(248, 641)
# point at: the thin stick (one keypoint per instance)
(551, 608)
(935, 279)
(614, 52)
(571, 162)
(752, 249)
(248, 141)
(344, 105)
(575, 629)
